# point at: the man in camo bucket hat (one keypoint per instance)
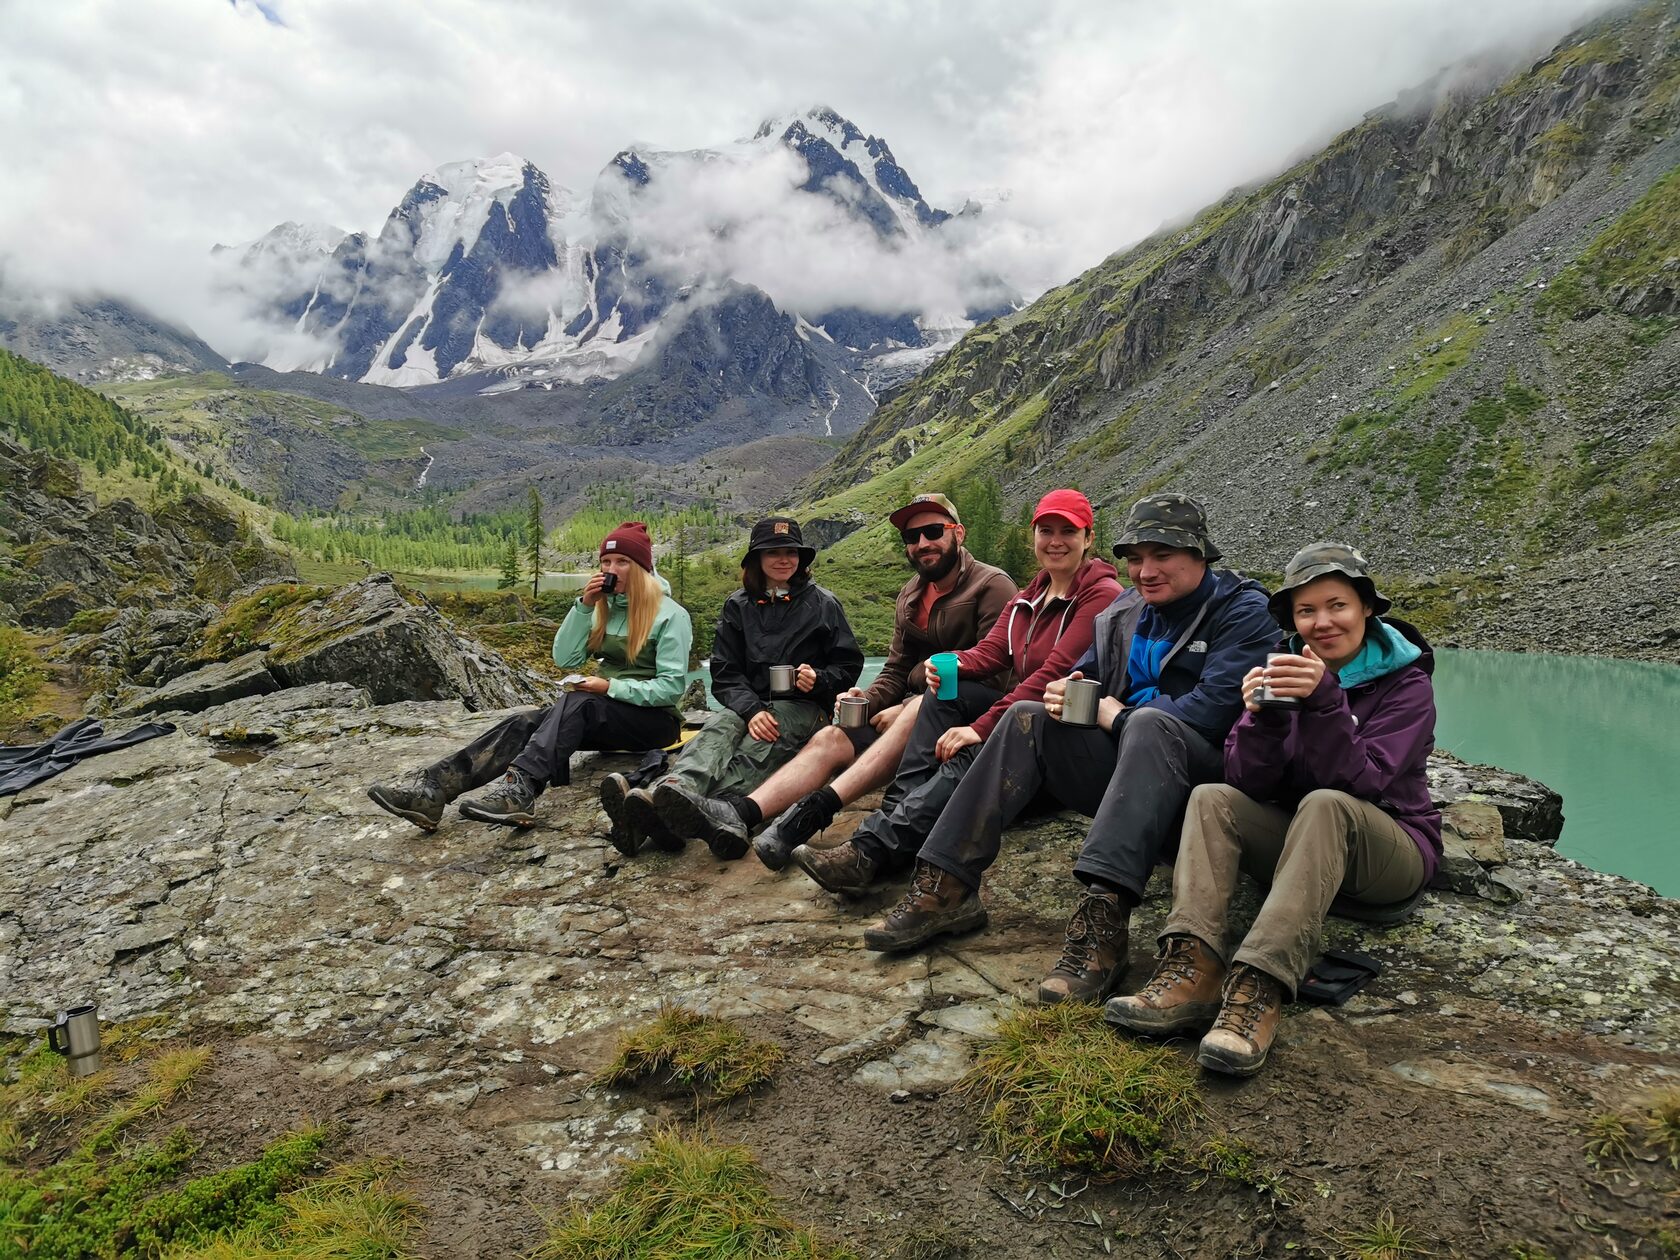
(1173, 520)
(1317, 560)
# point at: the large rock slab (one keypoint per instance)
(1529, 810)
(214, 684)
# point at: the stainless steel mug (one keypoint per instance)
(853, 712)
(75, 1035)
(781, 679)
(1263, 694)
(1079, 701)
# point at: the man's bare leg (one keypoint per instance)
(879, 762)
(826, 751)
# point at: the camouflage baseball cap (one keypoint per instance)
(1320, 560)
(1173, 520)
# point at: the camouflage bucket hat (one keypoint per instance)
(1319, 560)
(1173, 520)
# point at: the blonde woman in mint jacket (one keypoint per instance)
(641, 638)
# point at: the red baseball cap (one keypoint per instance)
(1070, 505)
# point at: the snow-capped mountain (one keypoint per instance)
(486, 273)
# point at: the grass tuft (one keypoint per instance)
(1235, 1159)
(1383, 1240)
(702, 1052)
(1609, 1140)
(1060, 1090)
(685, 1199)
(1662, 1126)
(932, 1242)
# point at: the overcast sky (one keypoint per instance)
(139, 134)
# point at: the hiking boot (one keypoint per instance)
(1241, 1036)
(418, 796)
(694, 817)
(642, 818)
(1093, 952)
(507, 800)
(796, 824)
(844, 869)
(1182, 995)
(625, 838)
(937, 903)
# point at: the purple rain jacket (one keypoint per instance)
(1370, 739)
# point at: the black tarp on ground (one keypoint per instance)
(27, 764)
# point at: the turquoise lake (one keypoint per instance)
(1604, 733)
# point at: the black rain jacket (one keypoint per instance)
(805, 627)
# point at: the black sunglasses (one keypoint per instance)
(916, 533)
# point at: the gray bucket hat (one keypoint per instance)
(1316, 561)
(1173, 520)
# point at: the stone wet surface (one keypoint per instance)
(484, 973)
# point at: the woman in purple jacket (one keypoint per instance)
(1327, 796)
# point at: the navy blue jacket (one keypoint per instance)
(1201, 675)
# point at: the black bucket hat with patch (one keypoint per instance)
(779, 531)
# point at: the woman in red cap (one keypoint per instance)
(1039, 637)
(641, 637)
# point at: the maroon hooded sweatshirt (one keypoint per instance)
(1038, 638)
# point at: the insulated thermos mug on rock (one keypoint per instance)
(1263, 694)
(853, 712)
(781, 679)
(75, 1035)
(1079, 701)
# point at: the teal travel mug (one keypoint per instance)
(945, 664)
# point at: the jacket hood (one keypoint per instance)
(1093, 570)
(1390, 646)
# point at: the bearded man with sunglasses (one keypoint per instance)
(948, 605)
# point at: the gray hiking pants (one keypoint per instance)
(1133, 788)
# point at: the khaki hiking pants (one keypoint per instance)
(1331, 843)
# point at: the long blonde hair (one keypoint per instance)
(642, 591)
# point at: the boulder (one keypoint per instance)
(1528, 810)
(1479, 828)
(369, 635)
(212, 685)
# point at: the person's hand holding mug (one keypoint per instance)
(1292, 677)
(1251, 683)
(853, 692)
(1055, 690)
(592, 593)
(805, 678)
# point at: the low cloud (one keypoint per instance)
(138, 135)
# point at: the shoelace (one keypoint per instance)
(1245, 1002)
(924, 883)
(1177, 963)
(1077, 950)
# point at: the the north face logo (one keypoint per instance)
(1200, 645)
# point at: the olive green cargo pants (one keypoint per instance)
(723, 759)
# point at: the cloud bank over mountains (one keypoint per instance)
(140, 135)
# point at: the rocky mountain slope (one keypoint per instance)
(1449, 336)
(101, 340)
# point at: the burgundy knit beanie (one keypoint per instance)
(630, 540)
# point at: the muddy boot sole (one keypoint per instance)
(380, 797)
(1191, 1017)
(1229, 1062)
(772, 852)
(683, 816)
(1094, 996)
(614, 789)
(641, 817)
(965, 918)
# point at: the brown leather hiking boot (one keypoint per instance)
(1242, 1035)
(844, 869)
(1093, 951)
(936, 903)
(1183, 994)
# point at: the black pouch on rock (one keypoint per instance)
(1337, 976)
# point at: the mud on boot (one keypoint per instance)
(643, 819)
(936, 904)
(507, 800)
(419, 796)
(844, 869)
(1242, 1035)
(694, 817)
(803, 820)
(626, 838)
(1093, 951)
(1182, 996)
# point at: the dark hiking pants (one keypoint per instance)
(541, 742)
(923, 784)
(1133, 789)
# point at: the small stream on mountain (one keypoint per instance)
(1605, 733)
(431, 459)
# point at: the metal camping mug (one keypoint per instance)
(1263, 694)
(75, 1035)
(1079, 702)
(852, 711)
(781, 679)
